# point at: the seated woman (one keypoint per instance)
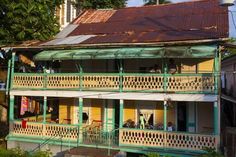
(172, 66)
(155, 69)
(170, 126)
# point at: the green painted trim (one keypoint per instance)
(12, 68)
(80, 111)
(216, 72)
(11, 108)
(80, 77)
(44, 109)
(113, 115)
(113, 74)
(106, 117)
(121, 113)
(165, 84)
(165, 116)
(8, 76)
(216, 119)
(121, 77)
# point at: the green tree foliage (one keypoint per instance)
(23, 20)
(101, 4)
(17, 152)
(153, 2)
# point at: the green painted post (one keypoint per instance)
(80, 78)
(11, 113)
(165, 78)
(80, 111)
(121, 77)
(8, 76)
(12, 68)
(121, 113)
(80, 119)
(44, 79)
(11, 108)
(106, 117)
(216, 118)
(165, 115)
(216, 72)
(44, 109)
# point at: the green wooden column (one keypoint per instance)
(80, 78)
(80, 114)
(165, 116)
(165, 78)
(44, 109)
(216, 118)
(216, 72)
(121, 113)
(11, 108)
(121, 77)
(8, 76)
(216, 91)
(80, 111)
(12, 68)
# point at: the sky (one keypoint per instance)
(232, 13)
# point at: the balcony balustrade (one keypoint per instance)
(126, 82)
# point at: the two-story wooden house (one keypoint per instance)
(138, 79)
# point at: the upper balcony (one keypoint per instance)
(193, 74)
(119, 82)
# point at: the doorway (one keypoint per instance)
(182, 116)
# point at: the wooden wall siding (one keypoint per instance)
(151, 138)
(188, 66)
(206, 66)
(66, 110)
(3, 75)
(205, 117)
(159, 117)
(129, 110)
(96, 109)
(171, 114)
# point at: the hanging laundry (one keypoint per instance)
(24, 105)
(37, 108)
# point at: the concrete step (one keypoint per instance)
(90, 152)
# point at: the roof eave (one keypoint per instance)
(104, 45)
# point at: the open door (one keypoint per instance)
(182, 116)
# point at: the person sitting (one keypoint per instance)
(172, 66)
(155, 69)
(170, 126)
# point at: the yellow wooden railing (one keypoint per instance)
(176, 140)
(127, 137)
(64, 132)
(190, 83)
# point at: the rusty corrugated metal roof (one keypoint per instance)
(94, 16)
(196, 20)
